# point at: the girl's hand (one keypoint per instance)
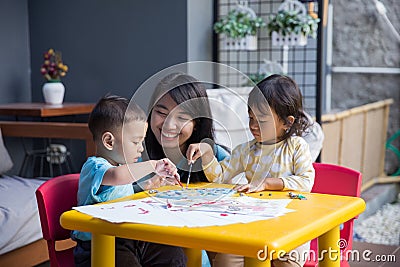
(248, 188)
(165, 168)
(275, 184)
(198, 150)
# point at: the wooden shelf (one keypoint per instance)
(45, 110)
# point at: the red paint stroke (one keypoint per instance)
(128, 206)
(224, 214)
(204, 203)
(180, 210)
(143, 211)
(149, 201)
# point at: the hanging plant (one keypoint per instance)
(291, 25)
(240, 28)
(287, 22)
(238, 24)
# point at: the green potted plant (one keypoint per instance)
(240, 28)
(266, 69)
(255, 78)
(292, 27)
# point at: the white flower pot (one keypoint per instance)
(251, 42)
(231, 44)
(292, 39)
(53, 93)
(246, 43)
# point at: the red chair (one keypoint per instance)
(54, 197)
(336, 180)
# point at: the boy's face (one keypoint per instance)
(128, 146)
(266, 127)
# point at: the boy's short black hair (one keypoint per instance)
(111, 112)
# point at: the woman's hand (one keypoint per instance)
(203, 150)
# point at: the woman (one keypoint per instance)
(180, 115)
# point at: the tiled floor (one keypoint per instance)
(372, 255)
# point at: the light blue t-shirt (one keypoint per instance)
(91, 191)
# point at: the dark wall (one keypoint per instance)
(109, 46)
(15, 83)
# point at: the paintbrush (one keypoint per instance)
(179, 182)
(190, 172)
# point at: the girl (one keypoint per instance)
(276, 159)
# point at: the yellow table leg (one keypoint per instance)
(254, 262)
(193, 256)
(329, 251)
(103, 250)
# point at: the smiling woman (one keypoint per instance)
(171, 125)
(180, 115)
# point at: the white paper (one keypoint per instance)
(193, 213)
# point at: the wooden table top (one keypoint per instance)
(45, 110)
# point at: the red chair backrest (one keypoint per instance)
(336, 180)
(55, 196)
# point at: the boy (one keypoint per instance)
(118, 130)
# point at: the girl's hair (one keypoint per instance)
(111, 112)
(284, 97)
(190, 94)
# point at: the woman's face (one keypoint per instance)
(171, 125)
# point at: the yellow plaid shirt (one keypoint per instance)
(289, 160)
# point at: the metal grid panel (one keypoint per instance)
(301, 60)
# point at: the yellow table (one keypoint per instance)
(318, 216)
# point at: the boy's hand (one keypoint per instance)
(157, 181)
(198, 150)
(165, 168)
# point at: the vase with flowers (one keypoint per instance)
(52, 70)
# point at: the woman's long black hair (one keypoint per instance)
(191, 94)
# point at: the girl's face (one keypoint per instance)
(266, 127)
(171, 125)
